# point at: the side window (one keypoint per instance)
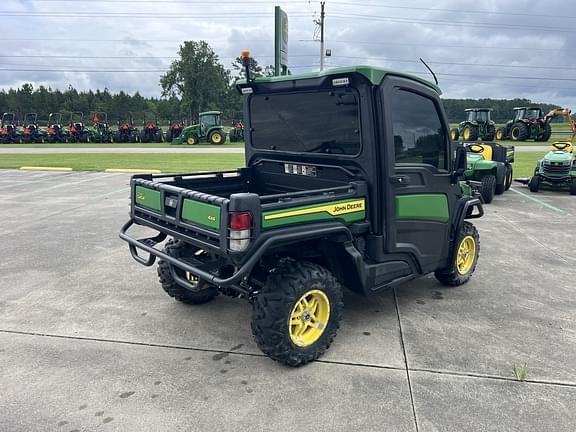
(418, 133)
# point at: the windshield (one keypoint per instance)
(482, 116)
(471, 116)
(319, 122)
(533, 114)
(210, 120)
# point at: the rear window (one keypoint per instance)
(318, 122)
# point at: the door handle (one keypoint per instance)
(400, 179)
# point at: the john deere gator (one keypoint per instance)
(351, 180)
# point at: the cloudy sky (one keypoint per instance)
(481, 48)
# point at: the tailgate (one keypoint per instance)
(196, 217)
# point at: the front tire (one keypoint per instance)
(488, 188)
(500, 135)
(573, 187)
(297, 313)
(454, 134)
(509, 177)
(217, 137)
(178, 249)
(464, 257)
(534, 183)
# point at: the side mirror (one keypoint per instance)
(459, 162)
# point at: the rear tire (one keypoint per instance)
(490, 133)
(217, 137)
(464, 257)
(534, 183)
(519, 132)
(509, 176)
(297, 313)
(546, 133)
(177, 249)
(454, 134)
(488, 188)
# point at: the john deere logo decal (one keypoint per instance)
(140, 196)
(334, 209)
(212, 218)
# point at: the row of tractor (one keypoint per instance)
(209, 129)
(529, 123)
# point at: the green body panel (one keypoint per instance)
(148, 198)
(477, 167)
(199, 213)
(322, 212)
(432, 207)
(465, 188)
(374, 74)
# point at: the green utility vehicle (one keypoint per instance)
(209, 129)
(556, 171)
(351, 181)
(477, 126)
(490, 164)
(528, 123)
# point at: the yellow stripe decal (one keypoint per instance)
(332, 209)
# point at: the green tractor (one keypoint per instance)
(209, 129)
(490, 164)
(528, 123)
(477, 126)
(557, 170)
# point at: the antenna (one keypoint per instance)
(431, 71)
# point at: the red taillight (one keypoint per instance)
(240, 221)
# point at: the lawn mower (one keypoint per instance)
(152, 132)
(10, 133)
(237, 131)
(56, 133)
(77, 128)
(490, 164)
(556, 171)
(209, 129)
(32, 132)
(174, 131)
(528, 123)
(126, 132)
(101, 132)
(477, 126)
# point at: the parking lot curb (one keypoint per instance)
(132, 170)
(38, 168)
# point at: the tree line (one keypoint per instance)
(197, 81)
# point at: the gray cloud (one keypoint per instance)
(516, 35)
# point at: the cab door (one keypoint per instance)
(422, 198)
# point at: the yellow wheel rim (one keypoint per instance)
(466, 134)
(309, 318)
(515, 133)
(499, 135)
(466, 255)
(191, 141)
(453, 135)
(216, 138)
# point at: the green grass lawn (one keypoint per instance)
(118, 145)
(523, 167)
(100, 162)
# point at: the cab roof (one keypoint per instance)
(528, 108)
(478, 109)
(210, 113)
(374, 74)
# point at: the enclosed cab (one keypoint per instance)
(351, 180)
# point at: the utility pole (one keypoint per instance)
(322, 35)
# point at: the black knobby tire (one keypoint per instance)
(451, 275)
(273, 306)
(454, 134)
(534, 183)
(470, 133)
(519, 132)
(177, 249)
(488, 188)
(500, 134)
(490, 133)
(546, 132)
(509, 177)
(573, 187)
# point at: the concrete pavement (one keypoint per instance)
(89, 341)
